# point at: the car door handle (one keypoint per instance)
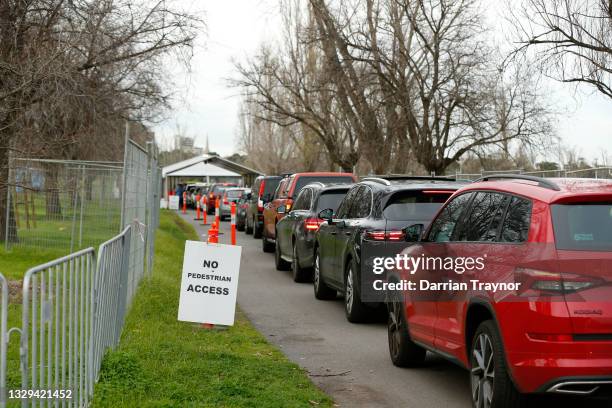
(333, 233)
(347, 233)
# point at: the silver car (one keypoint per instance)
(230, 195)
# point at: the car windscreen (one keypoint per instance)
(330, 199)
(583, 227)
(304, 180)
(414, 205)
(234, 193)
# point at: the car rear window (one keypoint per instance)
(304, 180)
(330, 199)
(583, 227)
(270, 186)
(234, 193)
(414, 205)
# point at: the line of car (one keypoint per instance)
(552, 235)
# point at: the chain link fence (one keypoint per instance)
(62, 204)
(73, 309)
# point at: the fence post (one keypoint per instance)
(82, 204)
(4, 339)
(125, 170)
(7, 220)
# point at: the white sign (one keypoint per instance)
(173, 202)
(210, 283)
(163, 203)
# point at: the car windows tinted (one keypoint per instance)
(482, 225)
(361, 203)
(444, 225)
(270, 186)
(414, 205)
(304, 180)
(516, 223)
(330, 199)
(583, 226)
(345, 205)
(303, 200)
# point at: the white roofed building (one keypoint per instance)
(206, 168)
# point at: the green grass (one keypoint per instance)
(162, 362)
(15, 262)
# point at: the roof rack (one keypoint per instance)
(541, 182)
(377, 180)
(410, 177)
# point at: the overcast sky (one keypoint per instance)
(204, 105)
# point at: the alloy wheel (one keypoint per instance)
(317, 278)
(482, 376)
(350, 292)
(395, 328)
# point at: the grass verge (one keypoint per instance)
(161, 362)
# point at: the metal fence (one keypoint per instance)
(62, 204)
(595, 172)
(73, 309)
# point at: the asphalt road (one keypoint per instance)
(348, 361)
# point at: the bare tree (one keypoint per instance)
(71, 71)
(570, 40)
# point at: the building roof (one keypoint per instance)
(207, 165)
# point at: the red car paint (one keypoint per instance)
(547, 336)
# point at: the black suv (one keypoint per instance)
(295, 233)
(261, 194)
(377, 209)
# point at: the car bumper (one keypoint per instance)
(581, 368)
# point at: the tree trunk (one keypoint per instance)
(4, 180)
(53, 204)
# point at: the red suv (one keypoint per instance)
(286, 192)
(547, 325)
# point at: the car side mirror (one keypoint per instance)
(326, 215)
(414, 232)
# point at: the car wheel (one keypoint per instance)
(490, 382)
(356, 311)
(266, 245)
(257, 230)
(402, 350)
(299, 274)
(321, 290)
(281, 264)
(240, 227)
(248, 228)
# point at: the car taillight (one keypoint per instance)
(312, 224)
(385, 235)
(395, 236)
(552, 282)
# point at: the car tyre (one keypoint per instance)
(257, 230)
(299, 274)
(266, 245)
(321, 290)
(490, 382)
(248, 229)
(402, 350)
(281, 264)
(356, 311)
